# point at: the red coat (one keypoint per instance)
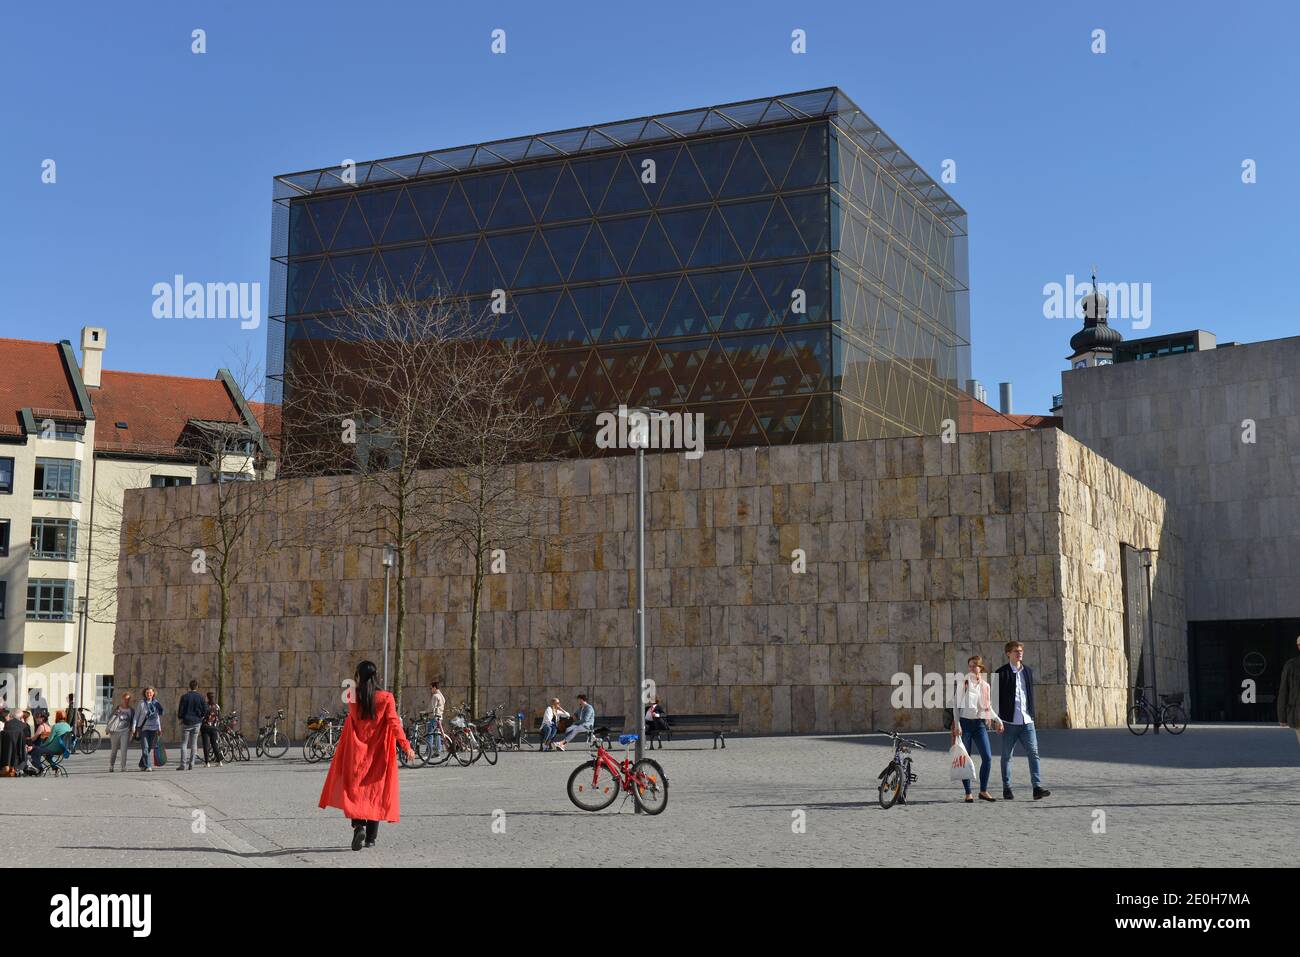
(362, 780)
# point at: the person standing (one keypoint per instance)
(1288, 694)
(1016, 701)
(147, 726)
(211, 719)
(119, 730)
(190, 713)
(973, 713)
(437, 705)
(362, 779)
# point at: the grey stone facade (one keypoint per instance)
(1178, 424)
(919, 553)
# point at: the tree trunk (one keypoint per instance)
(221, 647)
(476, 590)
(399, 644)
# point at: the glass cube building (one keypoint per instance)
(780, 265)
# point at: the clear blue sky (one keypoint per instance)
(1131, 159)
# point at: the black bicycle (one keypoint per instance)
(898, 774)
(87, 732)
(1170, 715)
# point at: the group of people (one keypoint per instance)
(199, 717)
(973, 716)
(28, 742)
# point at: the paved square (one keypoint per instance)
(1216, 796)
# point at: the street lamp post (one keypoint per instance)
(390, 559)
(81, 644)
(1151, 629)
(638, 436)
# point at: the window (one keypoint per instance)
(235, 477)
(6, 476)
(58, 478)
(54, 538)
(169, 481)
(4, 537)
(65, 431)
(1081, 363)
(1104, 362)
(103, 697)
(50, 599)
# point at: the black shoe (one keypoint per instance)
(370, 843)
(1040, 793)
(358, 836)
(1007, 795)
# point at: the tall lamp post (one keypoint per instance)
(1147, 563)
(390, 559)
(638, 437)
(81, 645)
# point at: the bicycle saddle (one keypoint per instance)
(627, 738)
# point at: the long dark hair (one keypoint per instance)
(367, 685)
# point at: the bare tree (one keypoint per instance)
(392, 394)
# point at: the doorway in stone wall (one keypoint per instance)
(1134, 577)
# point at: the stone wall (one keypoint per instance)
(919, 553)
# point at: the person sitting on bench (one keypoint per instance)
(53, 746)
(584, 722)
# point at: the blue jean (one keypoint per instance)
(147, 741)
(1013, 734)
(975, 735)
(434, 737)
(548, 732)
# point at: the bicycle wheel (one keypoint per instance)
(891, 785)
(89, 742)
(1174, 719)
(488, 746)
(309, 752)
(593, 787)
(243, 749)
(442, 755)
(1139, 719)
(277, 744)
(463, 748)
(649, 786)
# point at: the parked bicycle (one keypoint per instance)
(1170, 715)
(271, 741)
(87, 732)
(465, 745)
(323, 737)
(425, 726)
(232, 743)
(485, 731)
(595, 784)
(898, 774)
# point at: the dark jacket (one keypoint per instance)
(192, 709)
(1288, 694)
(1007, 692)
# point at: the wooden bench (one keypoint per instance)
(607, 728)
(715, 724)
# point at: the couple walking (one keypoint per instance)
(973, 715)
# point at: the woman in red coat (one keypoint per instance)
(362, 780)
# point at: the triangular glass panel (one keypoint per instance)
(624, 133)
(716, 380)
(780, 374)
(537, 147)
(779, 418)
(777, 149)
(811, 165)
(623, 322)
(537, 182)
(483, 274)
(776, 113)
(654, 386)
(716, 122)
(684, 359)
(482, 192)
(567, 141)
(780, 237)
(352, 232)
(623, 237)
(811, 349)
(684, 316)
(684, 123)
(745, 220)
(652, 297)
(625, 193)
(594, 392)
(428, 199)
(457, 158)
(538, 268)
(349, 278)
(683, 229)
(810, 104)
(566, 326)
(406, 271)
(301, 276)
(622, 366)
(714, 291)
(713, 158)
(508, 250)
(564, 370)
(593, 175)
(746, 114)
(303, 238)
(685, 184)
(778, 284)
(567, 201)
(663, 159)
(534, 309)
(746, 355)
(510, 210)
(747, 176)
(747, 310)
(655, 253)
(453, 258)
(811, 217)
(321, 297)
(815, 424)
(593, 302)
(716, 247)
(747, 432)
(456, 218)
(404, 224)
(377, 206)
(565, 243)
(595, 261)
(719, 423)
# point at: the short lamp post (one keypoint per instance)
(1148, 564)
(390, 559)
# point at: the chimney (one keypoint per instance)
(1004, 398)
(93, 341)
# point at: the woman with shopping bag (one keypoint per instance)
(973, 715)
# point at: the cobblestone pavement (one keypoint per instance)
(1218, 795)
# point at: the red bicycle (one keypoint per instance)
(595, 784)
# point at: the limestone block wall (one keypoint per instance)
(918, 553)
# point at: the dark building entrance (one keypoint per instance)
(1225, 654)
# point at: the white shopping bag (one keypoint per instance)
(959, 763)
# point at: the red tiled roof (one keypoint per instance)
(32, 376)
(155, 409)
(974, 416)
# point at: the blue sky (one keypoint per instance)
(1129, 159)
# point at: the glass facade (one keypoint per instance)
(761, 263)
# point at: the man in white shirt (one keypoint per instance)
(437, 704)
(1016, 705)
